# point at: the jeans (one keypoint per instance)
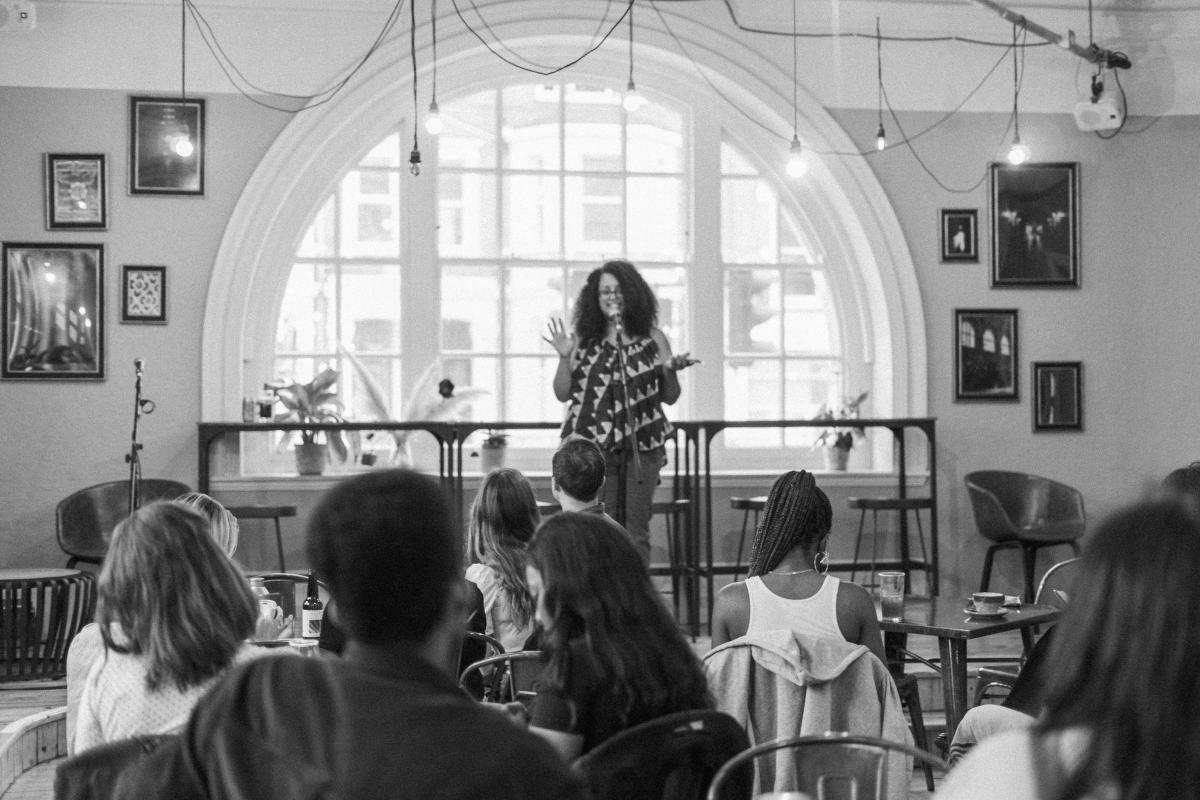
(641, 479)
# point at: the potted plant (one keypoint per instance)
(838, 441)
(309, 403)
(492, 450)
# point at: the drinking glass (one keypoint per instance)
(891, 595)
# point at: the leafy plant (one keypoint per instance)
(314, 402)
(495, 439)
(838, 436)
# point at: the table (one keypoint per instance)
(944, 618)
(41, 610)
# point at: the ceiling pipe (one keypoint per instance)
(1091, 53)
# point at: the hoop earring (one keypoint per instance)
(820, 563)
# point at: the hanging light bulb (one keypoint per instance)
(796, 164)
(181, 143)
(631, 100)
(880, 138)
(433, 120)
(1018, 152)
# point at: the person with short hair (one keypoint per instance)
(386, 719)
(173, 612)
(577, 475)
(615, 656)
(1119, 717)
(1185, 481)
(788, 586)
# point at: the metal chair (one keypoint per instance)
(670, 758)
(833, 766)
(1028, 512)
(512, 675)
(85, 519)
(746, 505)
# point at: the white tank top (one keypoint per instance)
(816, 615)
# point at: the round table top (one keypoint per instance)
(36, 573)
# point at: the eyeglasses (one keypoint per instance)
(610, 292)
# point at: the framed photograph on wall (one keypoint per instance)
(985, 354)
(76, 192)
(1058, 396)
(166, 146)
(143, 294)
(1035, 225)
(53, 308)
(960, 234)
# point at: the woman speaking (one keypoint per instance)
(615, 371)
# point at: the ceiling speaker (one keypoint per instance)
(1105, 114)
(17, 15)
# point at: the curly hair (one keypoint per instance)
(504, 516)
(596, 590)
(797, 513)
(640, 305)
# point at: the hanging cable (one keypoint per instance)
(795, 163)
(880, 135)
(414, 158)
(632, 101)
(1018, 153)
(433, 119)
(535, 65)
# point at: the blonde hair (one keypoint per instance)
(222, 524)
(504, 516)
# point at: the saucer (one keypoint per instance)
(980, 615)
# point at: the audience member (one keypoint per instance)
(788, 588)
(221, 523)
(503, 519)
(173, 612)
(1119, 718)
(577, 475)
(386, 719)
(615, 657)
(1185, 481)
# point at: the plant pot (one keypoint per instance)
(836, 459)
(311, 458)
(491, 458)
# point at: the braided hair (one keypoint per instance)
(797, 513)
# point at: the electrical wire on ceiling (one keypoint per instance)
(533, 65)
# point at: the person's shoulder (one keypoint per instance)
(737, 593)
(480, 574)
(660, 339)
(999, 768)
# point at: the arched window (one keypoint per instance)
(1004, 345)
(989, 341)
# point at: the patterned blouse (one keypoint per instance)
(597, 405)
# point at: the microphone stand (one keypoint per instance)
(628, 440)
(133, 457)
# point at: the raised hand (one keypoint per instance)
(681, 361)
(562, 342)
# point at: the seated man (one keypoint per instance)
(385, 719)
(577, 481)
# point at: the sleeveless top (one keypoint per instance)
(597, 408)
(816, 615)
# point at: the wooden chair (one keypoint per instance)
(1026, 512)
(670, 758)
(84, 520)
(833, 765)
(511, 675)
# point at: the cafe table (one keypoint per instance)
(946, 618)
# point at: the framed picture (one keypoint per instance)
(960, 234)
(985, 358)
(166, 146)
(1058, 396)
(1035, 225)
(53, 304)
(76, 192)
(143, 294)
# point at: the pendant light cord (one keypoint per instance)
(414, 158)
(433, 25)
(182, 49)
(631, 42)
(795, 77)
(879, 68)
(1016, 87)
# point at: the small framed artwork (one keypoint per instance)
(166, 146)
(143, 294)
(960, 234)
(985, 357)
(76, 192)
(1035, 225)
(1057, 396)
(53, 304)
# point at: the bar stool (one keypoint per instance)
(903, 505)
(745, 505)
(267, 512)
(676, 512)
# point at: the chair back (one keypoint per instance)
(670, 758)
(85, 519)
(1012, 505)
(508, 676)
(93, 774)
(1057, 584)
(833, 766)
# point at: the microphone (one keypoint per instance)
(615, 318)
(138, 363)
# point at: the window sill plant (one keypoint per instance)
(839, 440)
(314, 402)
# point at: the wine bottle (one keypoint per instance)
(312, 611)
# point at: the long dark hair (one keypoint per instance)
(797, 513)
(504, 516)
(640, 305)
(596, 588)
(167, 592)
(1125, 658)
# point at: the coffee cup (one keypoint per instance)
(987, 602)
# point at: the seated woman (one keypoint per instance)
(222, 524)
(788, 587)
(174, 612)
(1119, 717)
(503, 519)
(615, 657)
